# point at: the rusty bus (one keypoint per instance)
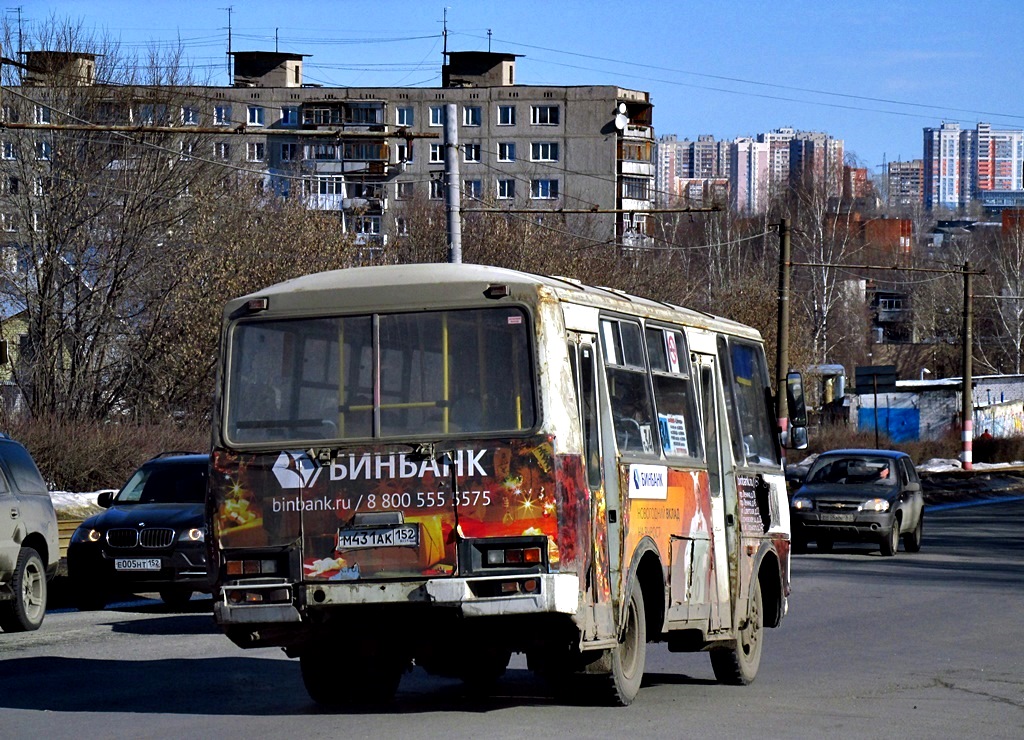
(442, 465)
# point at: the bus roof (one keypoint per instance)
(413, 286)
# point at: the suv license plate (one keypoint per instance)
(137, 564)
(402, 535)
(837, 517)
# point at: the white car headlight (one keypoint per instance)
(875, 504)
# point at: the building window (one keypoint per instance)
(289, 152)
(43, 150)
(544, 151)
(289, 116)
(331, 185)
(544, 115)
(506, 189)
(222, 150)
(637, 188)
(42, 114)
(222, 115)
(544, 189)
(506, 151)
(190, 116)
(9, 150)
(322, 116)
(255, 115)
(471, 152)
(188, 149)
(437, 153)
(324, 152)
(404, 152)
(472, 115)
(436, 189)
(256, 151)
(473, 189)
(9, 221)
(11, 185)
(437, 115)
(404, 190)
(402, 226)
(404, 117)
(366, 225)
(9, 114)
(506, 115)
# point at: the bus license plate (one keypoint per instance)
(137, 564)
(837, 517)
(402, 535)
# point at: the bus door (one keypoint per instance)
(722, 530)
(583, 358)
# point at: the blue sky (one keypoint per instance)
(870, 72)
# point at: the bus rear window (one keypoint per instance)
(390, 375)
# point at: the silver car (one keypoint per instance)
(29, 546)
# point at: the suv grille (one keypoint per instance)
(150, 538)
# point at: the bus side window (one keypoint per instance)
(673, 392)
(746, 384)
(628, 387)
(591, 438)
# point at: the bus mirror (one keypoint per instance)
(798, 438)
(795, 399)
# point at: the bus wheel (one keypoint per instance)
(629, 658)
(375, 684)
(737, 665)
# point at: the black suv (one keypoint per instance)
(152, 537)
(29, 544)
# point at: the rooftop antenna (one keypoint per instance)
(275, 39)
(444, 36)
(488, 41)
(229, 9)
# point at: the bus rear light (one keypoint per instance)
(515, 556)
(248, 597)
(252, 567)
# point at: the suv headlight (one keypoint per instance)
(194, 534)
(802, 503)
(875, 504)
(85, 534)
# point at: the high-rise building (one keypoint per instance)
(905, 184)
(942, 183)
(748, 175)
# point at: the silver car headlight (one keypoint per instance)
(875, 504)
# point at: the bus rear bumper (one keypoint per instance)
(499, 595)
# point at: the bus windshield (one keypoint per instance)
(380, 376)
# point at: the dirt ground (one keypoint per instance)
(961, 485)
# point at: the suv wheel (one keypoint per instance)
(26, 610)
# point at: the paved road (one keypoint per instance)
(925, 645)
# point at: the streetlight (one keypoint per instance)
(925, 371)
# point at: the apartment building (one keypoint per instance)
(905, 184)
(366, 152)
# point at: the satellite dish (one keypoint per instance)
(621, 108)
(621, 120)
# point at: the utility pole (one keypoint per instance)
(451, 182)
(967, 401)
(782, 337)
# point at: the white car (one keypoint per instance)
(29, 545)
